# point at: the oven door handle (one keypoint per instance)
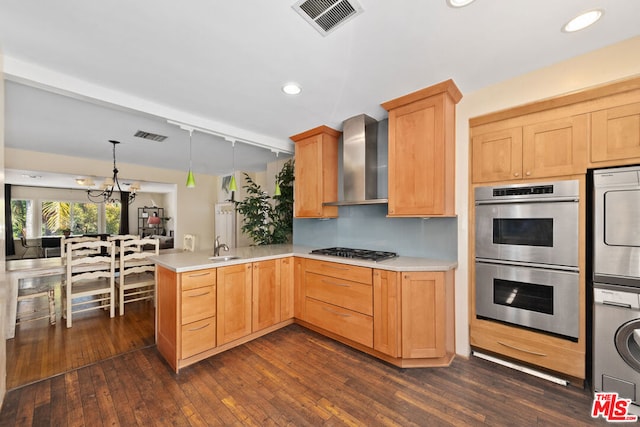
(568, 268)
(534, 200)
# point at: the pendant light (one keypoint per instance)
(191, 182)
(232, 184)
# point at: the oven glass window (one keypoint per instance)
(523, 231)
(527, 296)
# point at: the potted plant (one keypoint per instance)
(268, 220)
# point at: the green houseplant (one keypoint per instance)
(265, 222)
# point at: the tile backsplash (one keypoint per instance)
(367, 227)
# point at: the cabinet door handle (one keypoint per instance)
(337, 312)
(516, 174)
(335, 267)
(200, 295)
(522, 349)
(197, 329)
(199, 274)
(328, 282)
(528, 173)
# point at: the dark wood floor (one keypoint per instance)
(40, 350)
(293, 377)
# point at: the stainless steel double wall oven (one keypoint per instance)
(527, 256)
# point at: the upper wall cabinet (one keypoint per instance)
(535, 150)
(316, 172)
(615, 134)
(422, 152)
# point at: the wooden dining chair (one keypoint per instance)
(136, 280)
(64, 241)
(26, 245)
(90, 278)
(30, 305)
(118, 238)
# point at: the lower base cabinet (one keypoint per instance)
(186, 314)
(403, 318)
(414, 316)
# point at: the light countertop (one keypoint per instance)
(182, 261)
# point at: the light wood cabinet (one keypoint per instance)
(339, 299)
(266, 294)
(186, 310)
(316, 172)
(615, 134)
(424, 315)
(286, 288)
(234, 285)
(547, 149)
(414, 315)
(531, 347)
(422, 152)
(386, 312)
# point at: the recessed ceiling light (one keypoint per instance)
(291, 88)
(459, 3)
(583, 20)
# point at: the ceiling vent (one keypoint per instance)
(149, 135)
(327, 15)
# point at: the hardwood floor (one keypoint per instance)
(40, 350)
(293, 377)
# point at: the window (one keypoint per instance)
(21, 217)
(78, 218)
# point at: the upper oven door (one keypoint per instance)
(531, 232)
(617, 226)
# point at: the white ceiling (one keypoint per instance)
(81, 73)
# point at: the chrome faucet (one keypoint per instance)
(217, 246)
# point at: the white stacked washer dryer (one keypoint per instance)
(616, 277)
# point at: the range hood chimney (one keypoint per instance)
(360, 162)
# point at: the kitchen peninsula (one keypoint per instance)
(400, 310)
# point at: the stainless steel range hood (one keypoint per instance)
(360, 162)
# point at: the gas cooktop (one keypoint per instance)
(364, 254)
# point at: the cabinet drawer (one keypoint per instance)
(346, 323)
(536, 352)
(343, 271)
(198, 279)
(198, 304)
(344, 293)
(198, 337)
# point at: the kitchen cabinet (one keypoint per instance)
(186, 314)
(615, 134)
(287, 292)
(266, 294)
(421, 164)
(316, 173)
(386, 312)
(550, 148)
(414, 316)
(535, 348)
(427, 310)
(339, 299)
(298, 287)
(234, 300)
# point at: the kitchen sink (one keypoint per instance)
(223, 258)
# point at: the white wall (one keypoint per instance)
(605, 65)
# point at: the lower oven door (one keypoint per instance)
(543, 299)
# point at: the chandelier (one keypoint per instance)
(112, 185)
